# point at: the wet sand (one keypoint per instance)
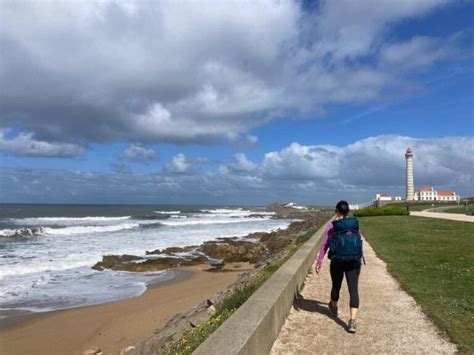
(113, 326)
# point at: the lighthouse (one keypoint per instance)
(410, 184)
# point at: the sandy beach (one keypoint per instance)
(114, 326)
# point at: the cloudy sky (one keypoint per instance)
(233, 102)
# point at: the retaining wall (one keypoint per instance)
(253, 328)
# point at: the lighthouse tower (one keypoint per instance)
(410, 184)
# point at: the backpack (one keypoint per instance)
(345, 243)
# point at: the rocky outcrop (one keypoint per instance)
(233, 251)
(173, 250)
(138, 264)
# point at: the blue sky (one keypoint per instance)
(157, 102)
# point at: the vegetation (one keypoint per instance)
(192, 339)
(422, 205)
(382, 211)
(433, 260)
(461, 210)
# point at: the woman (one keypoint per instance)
(343, 239)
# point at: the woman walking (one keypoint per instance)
(343, 239)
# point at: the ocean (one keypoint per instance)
(47, 251)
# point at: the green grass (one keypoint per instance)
(382, 211)
(422, 205)
(193, 338)
(433, 260)
(461, 210)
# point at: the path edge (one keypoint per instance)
(254, 327)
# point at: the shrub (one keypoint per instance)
(382, 211)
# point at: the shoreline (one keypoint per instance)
(115, 325)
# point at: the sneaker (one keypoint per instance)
(332, 309)
(352, 326)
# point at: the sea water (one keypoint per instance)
(47, 251)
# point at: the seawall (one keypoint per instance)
(253, 328)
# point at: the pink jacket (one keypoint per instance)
(325, 244)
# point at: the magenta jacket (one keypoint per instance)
(325, 244)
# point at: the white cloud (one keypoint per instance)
(375, 162)
(305, 173)
(179, 165)
(240, 165)
(207, 72)
(138, 153)
(24, 144)
(298, 162)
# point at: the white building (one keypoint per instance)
(387, 197)
(430, 194)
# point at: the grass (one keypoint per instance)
(422, 205)
(461, 210)
(187, 343)
(433, 260)
(382, 211)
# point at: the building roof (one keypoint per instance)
(425, 189)
(446, 193)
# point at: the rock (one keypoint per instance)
(211, 310)
(173, 250)
(130, 350)
(156, 251)
(92, 351)
(138, 264)
(233, 251)
(111, 261)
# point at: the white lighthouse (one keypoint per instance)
(410, 184)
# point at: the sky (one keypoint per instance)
(233, 102)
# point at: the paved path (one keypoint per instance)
(450, 216)
(389, 319)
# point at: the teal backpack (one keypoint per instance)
(345, 243)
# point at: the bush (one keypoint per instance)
(382, 211)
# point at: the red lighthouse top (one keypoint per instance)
(409, 153)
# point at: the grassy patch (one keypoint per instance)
(192, 339)
(461, 210)
(422, 205)
(382, 211)
(433, 260)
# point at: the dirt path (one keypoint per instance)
(450, 216)
(389, 319)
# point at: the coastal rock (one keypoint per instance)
(233, 251)
(130, 350)
(92, 351)
(112, 261)
(138, 264)
(173, 250)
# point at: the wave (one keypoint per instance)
(206, 221)
(151, 225)
(168, 212)
(73, 219)
(89, 229)
(152, 217)
(21, 232)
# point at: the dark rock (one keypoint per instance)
(233, 251)
(111, 261)
(137, 264)
(173, 250)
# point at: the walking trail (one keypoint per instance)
(389, 320)
(440, 215)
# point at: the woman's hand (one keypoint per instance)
(317, 268)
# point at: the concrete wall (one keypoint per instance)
(253, 328)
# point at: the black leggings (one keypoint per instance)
(352, 270)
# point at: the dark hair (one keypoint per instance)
(343, 208)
